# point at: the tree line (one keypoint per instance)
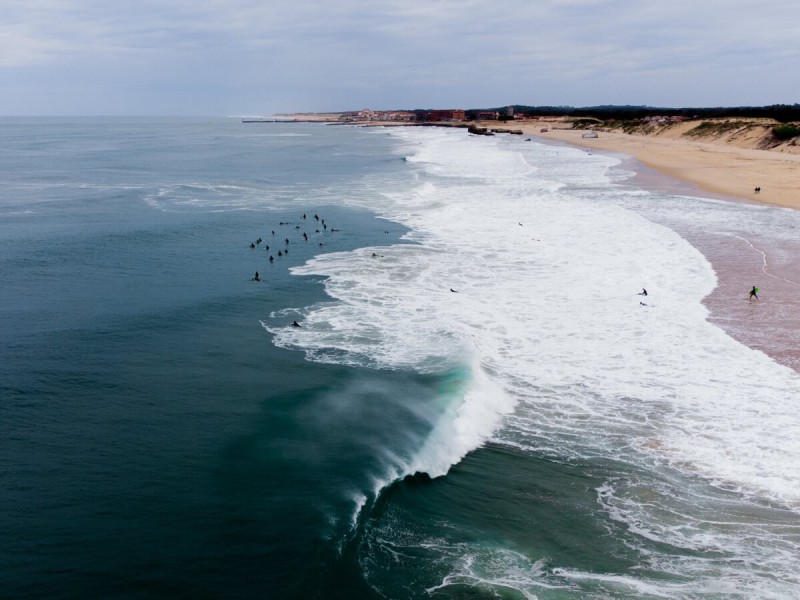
(783, 113)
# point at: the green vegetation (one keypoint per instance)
(786, 132)
(585, 123)
(629, 126)
(710, 128)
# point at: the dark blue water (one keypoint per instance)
(154, 442)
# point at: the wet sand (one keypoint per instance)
(770, 324)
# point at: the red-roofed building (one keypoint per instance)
(451, 114)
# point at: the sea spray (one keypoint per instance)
(465, 423)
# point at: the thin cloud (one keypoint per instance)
(289, 54)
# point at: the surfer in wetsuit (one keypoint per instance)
(643, 292)
(754, 293)
(296, 324)
(257, 277)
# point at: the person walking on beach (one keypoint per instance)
(754, 293)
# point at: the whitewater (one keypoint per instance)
(521, 271)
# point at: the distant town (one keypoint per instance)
(772, 127)
(783, 113)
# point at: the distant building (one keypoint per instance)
(452, 114)
(367, 115)
(488, 115)
(398, 115)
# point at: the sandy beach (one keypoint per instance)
(717, 168)
(730, 166)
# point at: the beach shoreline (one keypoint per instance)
(716, 168)
(712, 164)
(770, 324)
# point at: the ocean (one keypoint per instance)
(478, 402)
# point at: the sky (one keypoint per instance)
(262, 57)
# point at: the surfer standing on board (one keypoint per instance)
(754, 293)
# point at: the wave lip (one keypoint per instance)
(465, 424)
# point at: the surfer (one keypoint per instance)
(257, 277)
(643, 292)
(296, 324)
(754, 293)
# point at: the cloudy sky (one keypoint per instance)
(259, 57)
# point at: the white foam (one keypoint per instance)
(546, 264)
(497, 569)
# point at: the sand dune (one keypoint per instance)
(730, 162)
